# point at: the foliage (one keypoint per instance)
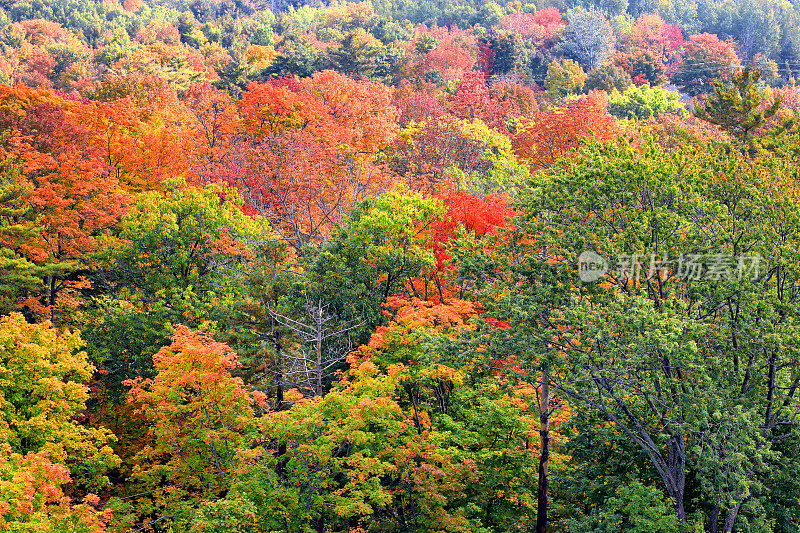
(705, 58)
(200, 420)
(564, 78)
(641, 103)
(380, 206)
(588, 38)
(635, 321)
(31, 487)
(607, 78)
(556, 133)
(42, 392)
(737, 107)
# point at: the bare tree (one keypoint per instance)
(324, 344)
(589, 38)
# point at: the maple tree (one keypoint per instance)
(423, 153)
(33, 498)
(67, 190)
(312, 153)
(201, 420)
(704, 59)
(557, 133)
(650, 33)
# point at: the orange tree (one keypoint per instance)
(309, 151)
(201, 427)
(66, 191)
(556, 133)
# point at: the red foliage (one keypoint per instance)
(419, 106)
(550, 18)
(480, 216)
(471, 99)
(454, 55)
(311, 150)
(69, 191)
(485, 57)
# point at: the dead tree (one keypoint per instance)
(324, 344)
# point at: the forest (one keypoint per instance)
(435, 266)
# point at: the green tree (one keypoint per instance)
(739, 106)
(663, 354)
(641, 103)
(167, 265)
(17, 273)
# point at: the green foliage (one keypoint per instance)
(639, 509)
(738, 107)
(641, 103)
(17, 273)
(296, 58)
(595, 202)
(167, 266)
(225, 516)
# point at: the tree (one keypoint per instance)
(641, 103)
(423, 153)
(739, 106)
(642, 66)
(588, 38)
(564, 78)
(310, 152)
(201, 421)
(296, 57)
(556, 133)
(32, 491)
(17, 272)
(637, 346)
(651, 34)
(705, 58)
(193, 235)
(608, 78)
(357, 54)
(354, 456)
(42, 392)
(66, 191)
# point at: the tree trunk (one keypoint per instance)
(713, 519)
(544, 457)
(319, 363)
(730, 518)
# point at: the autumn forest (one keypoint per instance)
(435, 266)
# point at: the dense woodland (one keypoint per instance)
(286, 267)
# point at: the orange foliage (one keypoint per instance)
(32, 498)
(311, 149)
(453, 56)
(556, 133)
(198, 412)
(69, 191)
